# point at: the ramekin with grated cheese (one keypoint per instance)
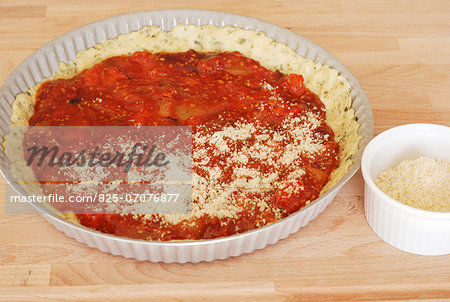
(409, 208)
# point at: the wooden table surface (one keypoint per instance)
(398, 50)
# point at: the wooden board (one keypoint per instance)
(398, 50)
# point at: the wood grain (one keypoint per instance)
(398, 50)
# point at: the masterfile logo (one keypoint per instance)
(105, 170)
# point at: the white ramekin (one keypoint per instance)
(409, 229)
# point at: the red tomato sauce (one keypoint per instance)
(192, 89)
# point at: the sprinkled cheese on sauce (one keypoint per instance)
(216, 197)
(422, 183)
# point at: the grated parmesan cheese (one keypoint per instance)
(237, 148)
(422, 183)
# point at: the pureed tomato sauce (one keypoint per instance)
(261, 147)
